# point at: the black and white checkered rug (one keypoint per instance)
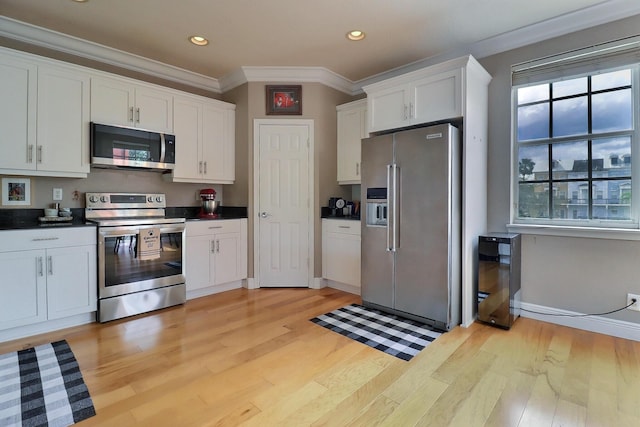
(399, 337)
(43, 386)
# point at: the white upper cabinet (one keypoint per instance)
(205, 140)
(117, 101)
(44, 108)
(435, 98)
(63, 121)
(352, 127)
(18, 106)
(428, 95)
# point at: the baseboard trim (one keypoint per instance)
(318, 283)
(342, 286)
(599, 324)
(47, 326)
(203, 292)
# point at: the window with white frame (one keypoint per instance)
(575, 130)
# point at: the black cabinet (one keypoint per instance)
(499, 279)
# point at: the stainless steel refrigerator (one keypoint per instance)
(411, 224)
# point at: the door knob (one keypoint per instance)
(263, 214)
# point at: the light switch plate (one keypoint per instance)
(57, 194)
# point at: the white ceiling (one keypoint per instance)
(306, 33)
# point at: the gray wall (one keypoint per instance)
(576, 274)
(107, 180)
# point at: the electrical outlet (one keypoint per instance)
(57, 194)
(636, 305)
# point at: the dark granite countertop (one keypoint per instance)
(345, 218)
(22, 219)
(191, 213)
(327, 213)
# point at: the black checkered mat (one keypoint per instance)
(43, 386)
(399, 337)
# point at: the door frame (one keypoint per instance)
(256, 193)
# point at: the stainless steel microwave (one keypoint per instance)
(123, 147)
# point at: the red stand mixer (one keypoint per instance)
(209, 203)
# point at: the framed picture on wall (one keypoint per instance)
(284, 100)
(16, 191)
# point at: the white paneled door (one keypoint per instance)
(284, 224)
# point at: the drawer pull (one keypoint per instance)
(42, 239)
(217, 226)
(344, 226)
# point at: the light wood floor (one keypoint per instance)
(253, 358)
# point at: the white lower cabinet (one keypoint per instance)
(47, 275)
(341, 252)
(216, 254)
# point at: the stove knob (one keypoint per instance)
(93, 199)
(150, 199)
(104, 199)
(159, 199)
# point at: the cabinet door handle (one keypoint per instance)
(357, 169)
(205, 167)
(131, 114)
(40, 271)
(200, 166)
(405, 112)
(138, 115)
(213, 246)
(218, 246)
(411, 110)
(30, 154)
(50, 265)
(42, 239)
(39, 154)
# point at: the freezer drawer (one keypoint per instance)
(499, 279)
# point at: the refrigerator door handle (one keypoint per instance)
(394, 208)
(388, 217)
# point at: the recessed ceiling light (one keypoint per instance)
(80, 1)
(199, 40)
(355, 35)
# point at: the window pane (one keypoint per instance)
(570, 160)
(611, 80)
(612, 111)
(533, 94)
(570, 117)
(569, 87)
(533, 122)
(612, 199)
(533, 200)
(578, 203)
(533, 162)
(612, 154)
(561, 200)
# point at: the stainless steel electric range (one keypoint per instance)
(140, 254)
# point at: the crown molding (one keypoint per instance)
(595, 15)
(42, 37)
(288, 75)
(599, 14)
